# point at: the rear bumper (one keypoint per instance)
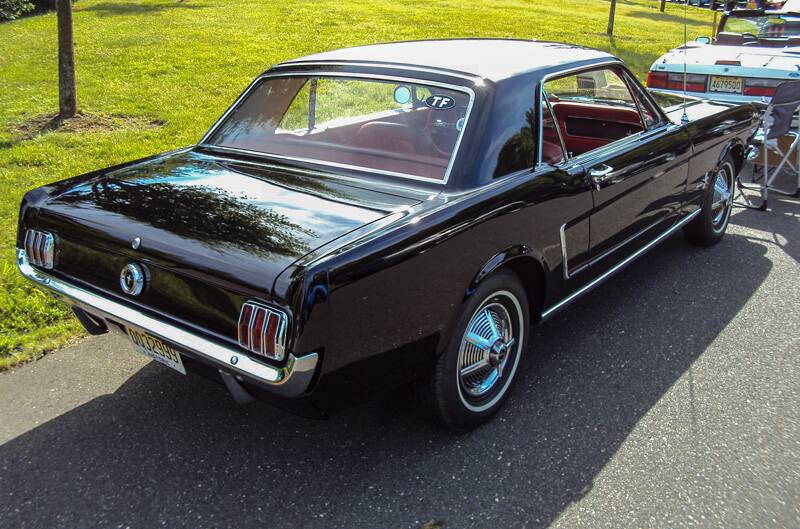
(738, 99)
(292, 380)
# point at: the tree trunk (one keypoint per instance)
(67, 99)
(663, 5)
(610, 30)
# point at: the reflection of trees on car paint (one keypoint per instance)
(518, 149)
(209, 214)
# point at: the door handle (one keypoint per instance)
(600, 175)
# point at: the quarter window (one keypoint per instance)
(593, 108)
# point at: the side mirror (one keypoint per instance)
(703, 40)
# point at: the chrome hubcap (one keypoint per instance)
(722, 197)
(485, 350)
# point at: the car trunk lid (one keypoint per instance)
(211, 231)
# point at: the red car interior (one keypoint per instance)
(399, 143)
(587, 126)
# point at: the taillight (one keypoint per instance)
(40, 248)
(262, 330)
(761, 87)
(656, 79)
(674, 81)
(694, 82)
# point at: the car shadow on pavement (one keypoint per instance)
(167, 451)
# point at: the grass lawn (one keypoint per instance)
(155, 74)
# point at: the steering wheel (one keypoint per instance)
(442, 126)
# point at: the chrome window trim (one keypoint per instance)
(356, 75)
(558, 130)
(291, 380)
(619, 266)
(635, 86)
(587, 156)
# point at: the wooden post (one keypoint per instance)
(67, 98)
(714, 26)
(610, 30)
(663, 5)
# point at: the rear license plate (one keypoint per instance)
(730, 85)
(150, 346)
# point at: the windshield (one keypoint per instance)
(391, 127)
(765, 26)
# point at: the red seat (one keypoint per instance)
(385, 136)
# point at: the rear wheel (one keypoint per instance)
(709, 226)
(476, 371)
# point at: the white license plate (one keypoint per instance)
(156, 349)
(730, 85)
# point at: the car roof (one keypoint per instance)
(493, 59)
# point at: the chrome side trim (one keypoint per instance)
(619, 266)
(562, 235)
(353, 75)
(596, 259)
(292, 380)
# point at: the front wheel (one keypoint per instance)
(476, 371)
(709, 226)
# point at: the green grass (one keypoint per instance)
(183, 63)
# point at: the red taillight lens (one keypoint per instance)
(245, 317)
(762, 91)
(761, 87)
(262, 330)
(257, 329)
(656, 79)
(40, 247)
(694, 82)
(674, 81)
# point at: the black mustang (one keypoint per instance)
(370, 217)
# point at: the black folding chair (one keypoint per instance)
(776, 121)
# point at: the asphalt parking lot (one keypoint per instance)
(668, 397)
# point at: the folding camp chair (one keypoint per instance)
(776, 121)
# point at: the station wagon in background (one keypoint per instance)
(394, 214)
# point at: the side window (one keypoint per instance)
(552, 151)
(593, 108)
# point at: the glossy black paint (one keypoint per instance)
(374, 270)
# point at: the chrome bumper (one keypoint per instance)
(290, 381)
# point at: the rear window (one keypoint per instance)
(392, 127)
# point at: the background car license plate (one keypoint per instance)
(731, 85)
(156, 349)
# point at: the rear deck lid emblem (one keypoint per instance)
(132, 279)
